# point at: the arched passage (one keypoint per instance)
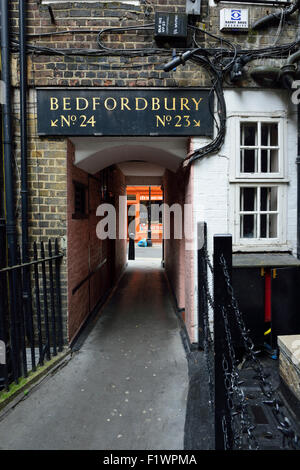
(103, 167)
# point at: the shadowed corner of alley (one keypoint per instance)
(127, 386)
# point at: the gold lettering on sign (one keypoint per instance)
(66, 104)
(78, 101)
(96, 102)
(65, 120)
(137, 100)
(124, 104)
(155, 104)
(106, 104)
(184, 104)
(173, 108)
(53, 104)
(160, 120)
(176, 105)
(197, 103)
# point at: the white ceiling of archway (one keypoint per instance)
(141, 169)
(92, 154)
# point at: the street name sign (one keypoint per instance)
(125, 112)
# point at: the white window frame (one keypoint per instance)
(281, 163)
(279, 179)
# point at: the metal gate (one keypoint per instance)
(31, 326)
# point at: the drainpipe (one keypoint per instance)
(266, 76)
(23, 127)
(26, 294)
(7, 135)
(276, 16)
(2, 204)
(13, 348)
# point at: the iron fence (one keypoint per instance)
(31, 325)
(240, 388)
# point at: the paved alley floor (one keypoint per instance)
(126, 388)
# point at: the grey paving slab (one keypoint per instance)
(127, 386)
(143, 252)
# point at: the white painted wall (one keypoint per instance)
(211, 174)
(292, 143)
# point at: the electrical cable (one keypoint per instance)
(218, 38)
(218, 141)
(104, 50)
(279, 29)
(217, 61)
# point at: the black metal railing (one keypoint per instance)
(31, 324)
(231, 357)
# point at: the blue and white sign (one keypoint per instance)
(234, 19)
(236, 15)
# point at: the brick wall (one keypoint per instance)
(112, 70)
(47, 159)
(47, 191)
(47, 163)
(78, 253)
(85, 251)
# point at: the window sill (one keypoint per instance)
(255, 247)
(258, 260)
(262, 180)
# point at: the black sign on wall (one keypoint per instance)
(171, 25)
(124, 112)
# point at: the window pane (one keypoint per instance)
(269, 161)
(265, 161)
(273, 226)
(248, 226)
(268, 199)
(274, 167)
(274, 199)
(249, 161)
(264, 194)
(269, 134)
(79, 198)
(248, 199)
(248, 133)
(263, 226)
(268, 226)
